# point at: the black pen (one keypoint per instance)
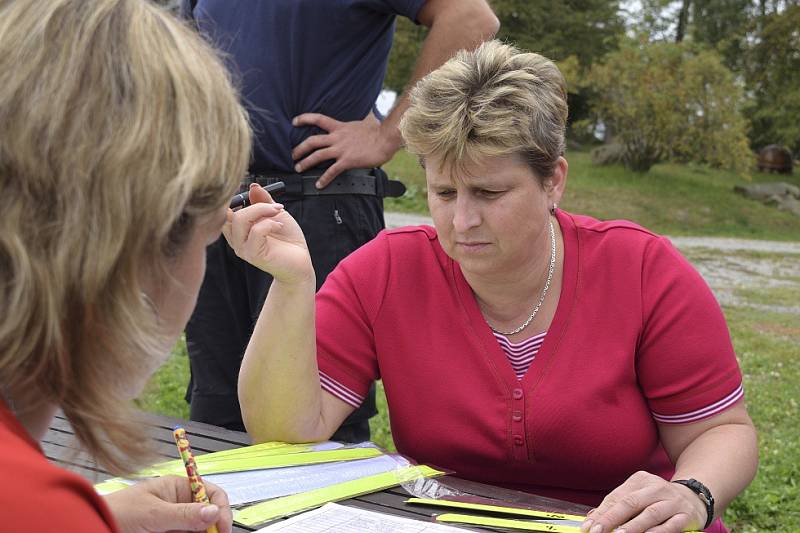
(243, 199)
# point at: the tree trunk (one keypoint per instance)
(683, 20)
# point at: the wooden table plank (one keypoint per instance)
(61, 447)
(201, 439)
(215, 433)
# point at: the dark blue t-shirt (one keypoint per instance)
(302, 56)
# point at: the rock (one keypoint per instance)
(791, 205)
(784, 196)
(763, 191)
(608, 154)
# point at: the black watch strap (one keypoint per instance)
(704, 494)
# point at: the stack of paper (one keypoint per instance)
(334, 517)
(289, 478)
(258, 485)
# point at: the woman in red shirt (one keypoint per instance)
(518, 344)
(123, 140)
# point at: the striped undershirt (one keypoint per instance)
(521, 355)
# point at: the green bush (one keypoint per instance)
(666, 101)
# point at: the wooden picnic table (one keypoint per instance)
(60, 446)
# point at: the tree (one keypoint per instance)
(574, 33)
(757, 40)
(656, 19)
(667, 101)
(586, 29)
(683, 20)
(772, 70)
(725, 26)
(408, 39)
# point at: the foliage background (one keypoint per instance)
(745, 53)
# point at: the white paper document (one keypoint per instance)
(257, 485)
(333, 517)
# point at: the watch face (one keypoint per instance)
(703, 493)
(701, 490)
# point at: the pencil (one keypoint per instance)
(195, 481)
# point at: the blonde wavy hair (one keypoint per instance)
(119, 128)
(491, 101)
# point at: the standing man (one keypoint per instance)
(310, 72)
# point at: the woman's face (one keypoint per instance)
(174, 298)
(492, 218)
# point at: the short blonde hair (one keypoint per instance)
(120, 127)
(493, 101)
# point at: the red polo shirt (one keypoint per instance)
(637, 335)
(39, 496)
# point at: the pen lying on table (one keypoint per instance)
(243, 199)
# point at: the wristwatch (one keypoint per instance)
(704, 494)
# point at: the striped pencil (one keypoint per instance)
(196, 482)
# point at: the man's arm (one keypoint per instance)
(454, 25)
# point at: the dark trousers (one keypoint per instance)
(233, 292)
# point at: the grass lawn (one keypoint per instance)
(767, 347)
(676, 200)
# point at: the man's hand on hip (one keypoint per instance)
(363, 143)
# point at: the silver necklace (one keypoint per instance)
(544, 290)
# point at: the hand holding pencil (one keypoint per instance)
(195, 481)
(167, 504)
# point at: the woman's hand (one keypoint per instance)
(267, 237)
(165, 504)
(646, 502)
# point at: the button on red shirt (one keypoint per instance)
(516, 394)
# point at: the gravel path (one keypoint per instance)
(731, 267)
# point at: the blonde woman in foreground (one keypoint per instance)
(122, 142)
(519, 345)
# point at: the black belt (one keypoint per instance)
(370, 182)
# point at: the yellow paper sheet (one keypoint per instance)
(497, 509)
(110, 485)
(263, 449)
(256, 457)
(453, 518)
(279, 507)
(240, 463)
(273, 447)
